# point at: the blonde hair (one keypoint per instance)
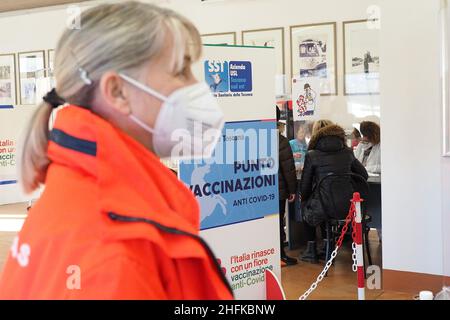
(113, 37)
(319, 124)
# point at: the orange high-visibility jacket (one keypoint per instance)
(112, 223)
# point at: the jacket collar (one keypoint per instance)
(328, 131)
(132, 181)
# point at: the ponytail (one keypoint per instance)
(34, 161)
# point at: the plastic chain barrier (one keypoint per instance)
(354, 216)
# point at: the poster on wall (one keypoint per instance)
(43, 86)
(361, 58)
(305, 98)
(7, 80)
(31, 68)
(8, 159)
(313, 54)
(224, 38)
(267, 38)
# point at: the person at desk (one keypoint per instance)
(355, 138)
(368, 151)
(327, 153)
(299, 148)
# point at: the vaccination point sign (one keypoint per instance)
(237, 188)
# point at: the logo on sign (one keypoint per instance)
(217, 76)
(229, 78)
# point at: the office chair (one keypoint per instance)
(334, 222)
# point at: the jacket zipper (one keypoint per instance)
(121, 218)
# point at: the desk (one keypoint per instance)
(374, 179)
(373, 204)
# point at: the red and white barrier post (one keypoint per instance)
(354, 217)
(359, 248)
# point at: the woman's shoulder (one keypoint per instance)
(347, 152)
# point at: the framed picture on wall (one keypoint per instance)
(50, 62)
(361, 58)
(313, 54)
(31, 68)
(267, 38)
(225, 38)
(7, 80)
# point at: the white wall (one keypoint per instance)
(411, 138)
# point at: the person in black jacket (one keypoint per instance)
(287, 184)
(327, 153)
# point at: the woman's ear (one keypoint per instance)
(114, 92)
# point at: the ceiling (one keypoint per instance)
(12, 5)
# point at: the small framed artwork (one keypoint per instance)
(273, 37)
(31, 68)
(50, 62)
(361, 58)
(8, 96)
(313, 54)
(225, 38)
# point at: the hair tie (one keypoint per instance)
(53, 99)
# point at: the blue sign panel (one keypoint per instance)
(240, 182)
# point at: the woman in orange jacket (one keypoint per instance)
(113, 222)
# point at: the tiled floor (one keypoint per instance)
(340, 283)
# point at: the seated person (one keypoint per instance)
(327, 153)
(299, 148)
(368, 151)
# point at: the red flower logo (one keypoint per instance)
(301, 103)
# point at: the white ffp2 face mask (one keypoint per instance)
(189, 122)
